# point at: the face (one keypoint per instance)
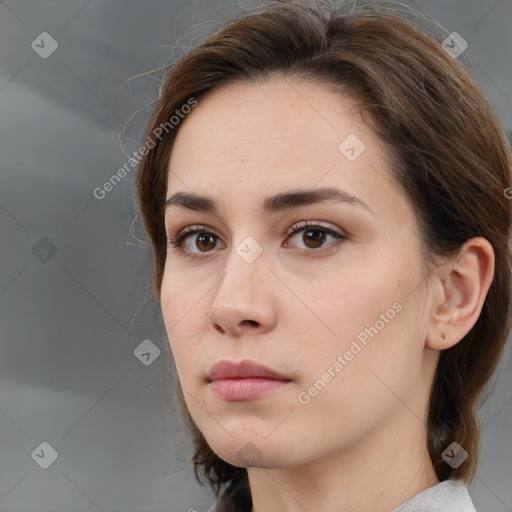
(335, 306)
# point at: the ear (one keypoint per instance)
(460, 287)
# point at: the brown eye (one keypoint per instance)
(314, 238)
(193, 241)
(205, 242)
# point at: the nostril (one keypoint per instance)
(219, 328)
(250, 322)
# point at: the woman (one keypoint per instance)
(329, 218)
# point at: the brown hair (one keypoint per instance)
(449, 153)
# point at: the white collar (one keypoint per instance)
(446, 496)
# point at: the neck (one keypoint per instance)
(379, 473)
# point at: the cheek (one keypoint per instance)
(182, 298)
(184, 314)
(347, 301)
(360, 383)
(366, 314)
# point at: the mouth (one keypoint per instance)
(244, 369)
(245, 380)
(240, 390)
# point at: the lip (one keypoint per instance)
(244, 369)
(240, 390)
(246, 380)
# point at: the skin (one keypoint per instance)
(360, 443)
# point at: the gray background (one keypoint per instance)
(73, 275)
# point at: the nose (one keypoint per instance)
(244, 302)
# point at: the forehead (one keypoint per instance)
(281, 122)
(244, 142)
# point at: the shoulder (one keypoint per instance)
(447, 496)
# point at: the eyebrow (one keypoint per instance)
(276, 203)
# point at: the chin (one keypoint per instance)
(251, 452)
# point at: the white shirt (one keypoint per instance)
(446, 496)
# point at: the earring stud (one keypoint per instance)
(443, 335)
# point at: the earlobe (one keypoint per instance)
(461, 287)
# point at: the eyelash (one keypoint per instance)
(177, 241)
